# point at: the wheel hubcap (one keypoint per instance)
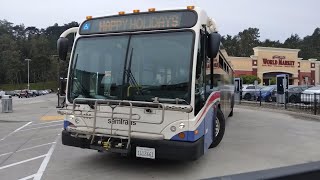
(217, 127)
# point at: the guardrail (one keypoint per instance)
(309, 103)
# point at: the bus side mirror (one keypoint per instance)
(62, 46)
(214, 40)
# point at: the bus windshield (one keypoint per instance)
(132, 67)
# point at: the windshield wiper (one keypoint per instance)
(130, 77)
(176, 100)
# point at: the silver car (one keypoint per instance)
(249, 91)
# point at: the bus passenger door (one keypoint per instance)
(202, 91)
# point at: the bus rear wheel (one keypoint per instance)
(219, 129)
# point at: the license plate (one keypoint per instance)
(145, 152)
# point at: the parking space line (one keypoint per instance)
(41, 127)
(44, 137)
(45, 162)
(28, 177)
(20, 162)
(52, 118)
(15, 131)
(4, 154)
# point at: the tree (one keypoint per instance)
(231, 44)
(273, 81)
(248, 39)
(293, 42)
(249, 79)
(270, 43)
(242, 44)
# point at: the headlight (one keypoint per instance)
(181, 125)
(71, 117)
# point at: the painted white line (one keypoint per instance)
(44, 137)
(45, 162)
(28, 177)
(40, 127)
(20, 162)
(61, 122)
(4, 154)
(22, 127)
(15, 131)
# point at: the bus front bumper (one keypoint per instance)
(164, 149)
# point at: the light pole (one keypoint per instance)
(28, 73)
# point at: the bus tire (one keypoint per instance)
(231, 113)
(222, 127)
(232, 105)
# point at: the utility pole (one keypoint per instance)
(28, 73)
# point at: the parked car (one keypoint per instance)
(11, 93)
(16, 92)
(49, 90)
(294, 93)
(24, 93)
(307, 95)
(249, 91)
(268, 93)
(34, 93)
(42, 92)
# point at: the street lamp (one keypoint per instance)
(28, 73)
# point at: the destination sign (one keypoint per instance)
(142, 21)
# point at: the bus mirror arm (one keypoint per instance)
(214, 40)
(62, 47)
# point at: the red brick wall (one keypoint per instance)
(304, 74)
(254, 71)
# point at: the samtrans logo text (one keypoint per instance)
(120, 121)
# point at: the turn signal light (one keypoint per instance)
(196, 132)
(136, 11)
(89, 17)
(190, 7)
(121, 13)
(152, 9)
(181, 135)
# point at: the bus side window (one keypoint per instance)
(220, 62)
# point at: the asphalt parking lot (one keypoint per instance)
(30, 147)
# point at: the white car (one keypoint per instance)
(307, 96)
(249, 91)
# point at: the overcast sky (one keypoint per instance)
(276, 19)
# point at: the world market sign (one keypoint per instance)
(278, 61)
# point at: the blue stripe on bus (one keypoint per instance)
(207, 120)
(66, 124)
(189, 135)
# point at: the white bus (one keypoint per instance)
(144, 84)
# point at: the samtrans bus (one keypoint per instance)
(152, 84)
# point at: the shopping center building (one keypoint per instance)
(267, 62)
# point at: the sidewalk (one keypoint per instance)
(298, 113)
(31, 109)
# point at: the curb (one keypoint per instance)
(297, 114)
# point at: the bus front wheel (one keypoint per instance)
(219, 129)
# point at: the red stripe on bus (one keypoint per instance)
(212, 98)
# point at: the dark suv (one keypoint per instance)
(294, 93)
